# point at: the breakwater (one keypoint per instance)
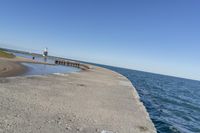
(72, 64)
(93, 101)
(173, 103)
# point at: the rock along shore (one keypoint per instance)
(92, 101)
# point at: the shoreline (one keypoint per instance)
(89, 101)
(139, 103)
(9, 68)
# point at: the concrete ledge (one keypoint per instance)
(93, 101)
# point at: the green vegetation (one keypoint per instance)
(6, 55)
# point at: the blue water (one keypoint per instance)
(173, 103)
(41, 69)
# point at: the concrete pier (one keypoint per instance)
(93, 101)
(72, 63)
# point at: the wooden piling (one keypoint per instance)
(71, 63)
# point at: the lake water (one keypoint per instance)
(42, 69)
(173, 103)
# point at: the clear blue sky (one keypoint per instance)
(160, 36)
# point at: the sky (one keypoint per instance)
(159, 36)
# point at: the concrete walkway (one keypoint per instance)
(92, 101)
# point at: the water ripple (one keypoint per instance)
(173, 103)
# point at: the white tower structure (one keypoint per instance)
(45, 52)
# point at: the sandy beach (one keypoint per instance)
(11, 67)
(8, 68)
(97, 100)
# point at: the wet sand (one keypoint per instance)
(91, 101)
(13, 67)
(9, 68)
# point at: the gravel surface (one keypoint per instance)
(93, 101)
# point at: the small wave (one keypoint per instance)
(173, 103)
